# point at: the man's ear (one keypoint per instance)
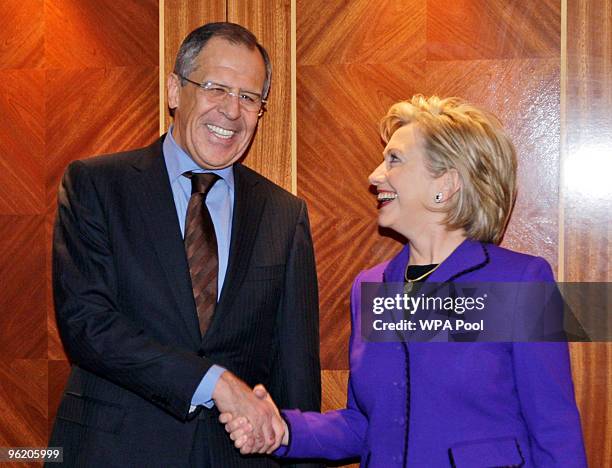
(174, 90)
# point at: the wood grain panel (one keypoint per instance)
(480, 29)
(592, 374)
(54, 108)
(23, 398)
(587, 164)
(359, 32)
(57, 378)
(524, 94)
(587, 202)
(334, 384)
(22, 187)
(22, 301)
(22, 27)
(270, 21)
(55, 348)
(101, 33)
(180, 18)
(344, 247)
(338, 146)
(97, 111)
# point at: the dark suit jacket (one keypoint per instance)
(127, 318)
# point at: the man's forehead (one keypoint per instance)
(219, 47)
(228, 63)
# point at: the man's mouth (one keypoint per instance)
(220, 132)
(385, 197)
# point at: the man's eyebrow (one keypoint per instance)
(230, 87)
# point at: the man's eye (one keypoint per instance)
(215, 90)
(247, 98)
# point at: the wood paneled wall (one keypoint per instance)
(354, 60)
(79, 78)
(587, 201)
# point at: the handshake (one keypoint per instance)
(250, 416)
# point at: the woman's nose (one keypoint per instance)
(378, 175)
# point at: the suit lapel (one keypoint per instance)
(248, 208)
(469, 254)
(152, 192)
(394, 271)
(467, 257)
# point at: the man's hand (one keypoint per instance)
(241, 430)
(255, 410)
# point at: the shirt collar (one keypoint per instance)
(178, 162)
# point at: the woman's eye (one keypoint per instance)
(393, 158)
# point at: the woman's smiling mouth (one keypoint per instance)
(385, 197)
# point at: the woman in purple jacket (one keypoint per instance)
(447, 184)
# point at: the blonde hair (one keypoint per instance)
(457, 135)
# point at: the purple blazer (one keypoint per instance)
(450, 404)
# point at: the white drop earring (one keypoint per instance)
(439, 197)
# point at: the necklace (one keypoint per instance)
(410, 282)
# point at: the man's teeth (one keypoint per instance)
(220, 132)
(386, 196)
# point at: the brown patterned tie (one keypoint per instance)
(201, 248)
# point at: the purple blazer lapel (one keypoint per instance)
(469, 254)
(394, 271)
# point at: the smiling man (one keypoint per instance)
(212, 126)
(182, 279)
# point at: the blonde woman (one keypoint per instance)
(447, 184)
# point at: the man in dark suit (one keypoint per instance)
(170, 310)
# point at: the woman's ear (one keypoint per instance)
(451, 183)
(446, 186)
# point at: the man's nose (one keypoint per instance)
(230, 106)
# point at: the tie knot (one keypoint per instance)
(201, 182)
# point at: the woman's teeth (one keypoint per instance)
(386, 196)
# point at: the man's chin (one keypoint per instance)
(215, 162)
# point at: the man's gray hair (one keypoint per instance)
(231, 32)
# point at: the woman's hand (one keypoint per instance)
(241, 430)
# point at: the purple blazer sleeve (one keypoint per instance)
(519, 406)
(546, 393)
(332, 435)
